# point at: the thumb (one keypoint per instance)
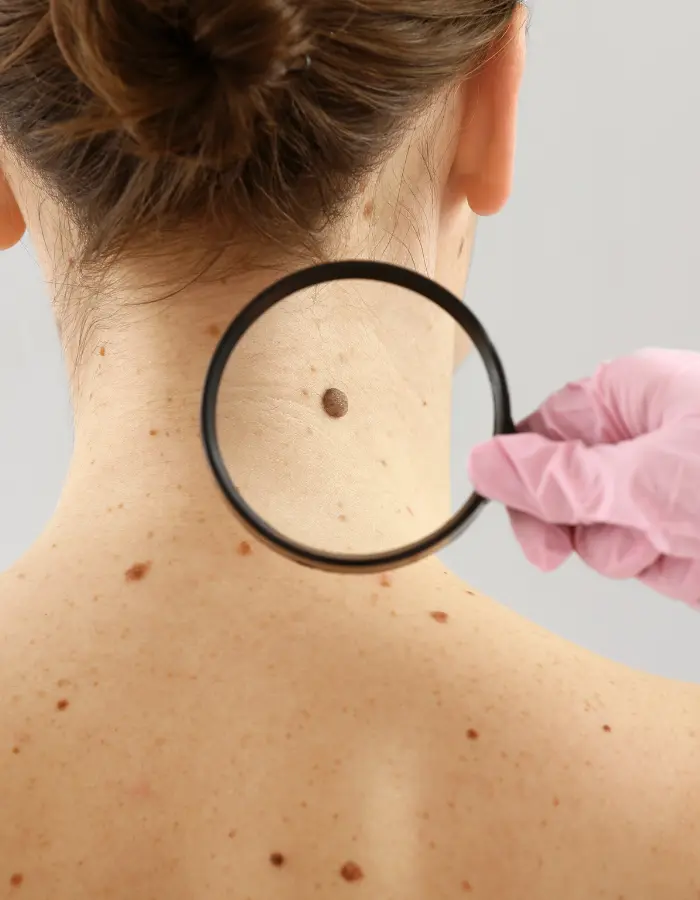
(559, 482)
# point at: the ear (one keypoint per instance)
(484, 159)
(12, 226)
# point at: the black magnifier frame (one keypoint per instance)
(358, 270)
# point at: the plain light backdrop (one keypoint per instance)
(594, 257)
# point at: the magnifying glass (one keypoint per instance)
(398, 534)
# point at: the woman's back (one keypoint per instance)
(183, 727)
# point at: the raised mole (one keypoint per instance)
(335, 403)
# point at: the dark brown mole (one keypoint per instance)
(277, 859)
(439, 616)
(335, 403)
(352, 872)
(138, 571)
(607, 728)
(244, 549)
(16, 879)
(385, 580)
(62, 705)
(473, 734)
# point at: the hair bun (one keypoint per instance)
(185, 78)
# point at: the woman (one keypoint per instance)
(186, 714)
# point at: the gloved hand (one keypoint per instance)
(609, 468)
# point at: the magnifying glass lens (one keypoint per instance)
(336, 417)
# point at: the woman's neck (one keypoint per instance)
(369, 480)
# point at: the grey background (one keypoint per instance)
(594, 257)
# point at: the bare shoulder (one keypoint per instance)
(400, 735)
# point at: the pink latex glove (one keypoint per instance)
(609, 468)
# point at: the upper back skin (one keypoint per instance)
(368, 737)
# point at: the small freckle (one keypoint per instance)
(352, 872)
(153, 432)
(63, 683)
(440, 617)
(305, 393)
(385, 580)
(16, 880)
(232, 833)
(555, 801)
(102, 351)
(277, 859)
(342, 518)
(466, 887)
(16, 750)
(369, 209)
(607, 729)
(314, 369)
(214, 330)
(384, 463)
(473, 734)
(425, 403)
(244, 549)
(149, 535)
(138, 571)
(62, 705)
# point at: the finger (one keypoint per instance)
(676, 578)
(576, 412)
(545, 546)
(559, 482)
(613, 551)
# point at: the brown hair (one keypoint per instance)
(156, 120)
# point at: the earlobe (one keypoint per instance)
(485, 158)
(12, 225)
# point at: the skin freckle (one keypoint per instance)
(244, 549)
(153, 432)
(607, 729)
(385, 580)
(138, 571)
(342, 518)
(16, 880)
(439, 616)
(555, 801)
(277, 859)
(102, 351)
(384, 463)
(369, 209)
(62, 705)
(352, 872)
(214, 331)
(473, 734)
(466, 887)
(305, 392)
